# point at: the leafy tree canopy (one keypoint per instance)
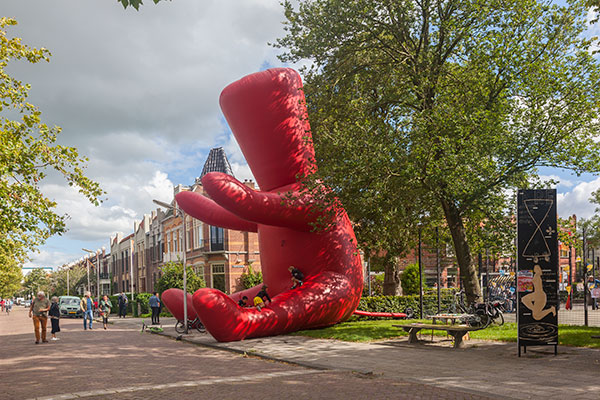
(172, 277)
(434, 110)
(27, 152)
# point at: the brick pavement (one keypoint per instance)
(123, 363)
(483, 368)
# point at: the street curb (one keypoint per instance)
(303, 364)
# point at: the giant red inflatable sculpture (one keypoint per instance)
(267, 114)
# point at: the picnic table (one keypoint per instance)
(450, 317)
(457, 331)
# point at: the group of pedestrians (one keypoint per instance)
(6, 305)
(41, 308)
(87, 306)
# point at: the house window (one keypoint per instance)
(564, 253)
(218, 277)
(197, 234)
(216, 238)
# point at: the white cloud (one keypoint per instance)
(561, 182)
(50, 258)
(130, 197)
(577, 200)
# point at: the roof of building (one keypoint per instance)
(217, 162)
(126, 238)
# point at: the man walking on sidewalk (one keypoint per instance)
(38, 312)
(88, 309)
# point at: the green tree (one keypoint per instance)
(10, 274)
(410, 279)
(250, 278)
(36, 280)
(77, 276)
(438, 108)
(172, 277)
(27, 152)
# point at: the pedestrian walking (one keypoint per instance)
(87, 306)
(38, 313)
(54, 317)
(8, 305)
(154, 303)
(105, 307)
(123, 300)
(2, 301)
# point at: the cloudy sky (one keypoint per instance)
(137, 92)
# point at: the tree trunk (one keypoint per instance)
(468, 272)
(391, 279)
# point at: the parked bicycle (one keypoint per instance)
(192, 324)
(479, 315)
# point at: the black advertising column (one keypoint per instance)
(537, 268)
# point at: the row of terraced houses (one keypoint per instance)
(132, 262)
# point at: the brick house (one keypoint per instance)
(219, 255)
(121, 260)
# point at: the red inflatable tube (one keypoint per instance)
(380, 314)
(267, 115)
(173, 300)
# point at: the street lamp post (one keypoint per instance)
(437, 267)
(182, 213)
(420, 278)
(97, 271)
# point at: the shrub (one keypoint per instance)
(399, 304)
(376, 286)
(410, 280)
(172, 277)
(249, 278)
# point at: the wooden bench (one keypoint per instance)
(456, 331)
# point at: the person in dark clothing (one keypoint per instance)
(243, 302)
(297, 276)
(154, 303)
(123, 305)
(54, 314)
(261, 297)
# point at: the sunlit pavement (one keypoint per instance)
(483, 367)
(123, 363)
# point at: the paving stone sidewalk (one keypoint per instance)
(122, 363)
(482, 368)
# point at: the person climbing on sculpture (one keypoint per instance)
(261, 297)
(536, 301)
(243, 302)
(297, 276)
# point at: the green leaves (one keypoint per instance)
(432, 112)
(172, 277)
(134, 3)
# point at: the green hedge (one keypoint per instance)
(399, 304)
